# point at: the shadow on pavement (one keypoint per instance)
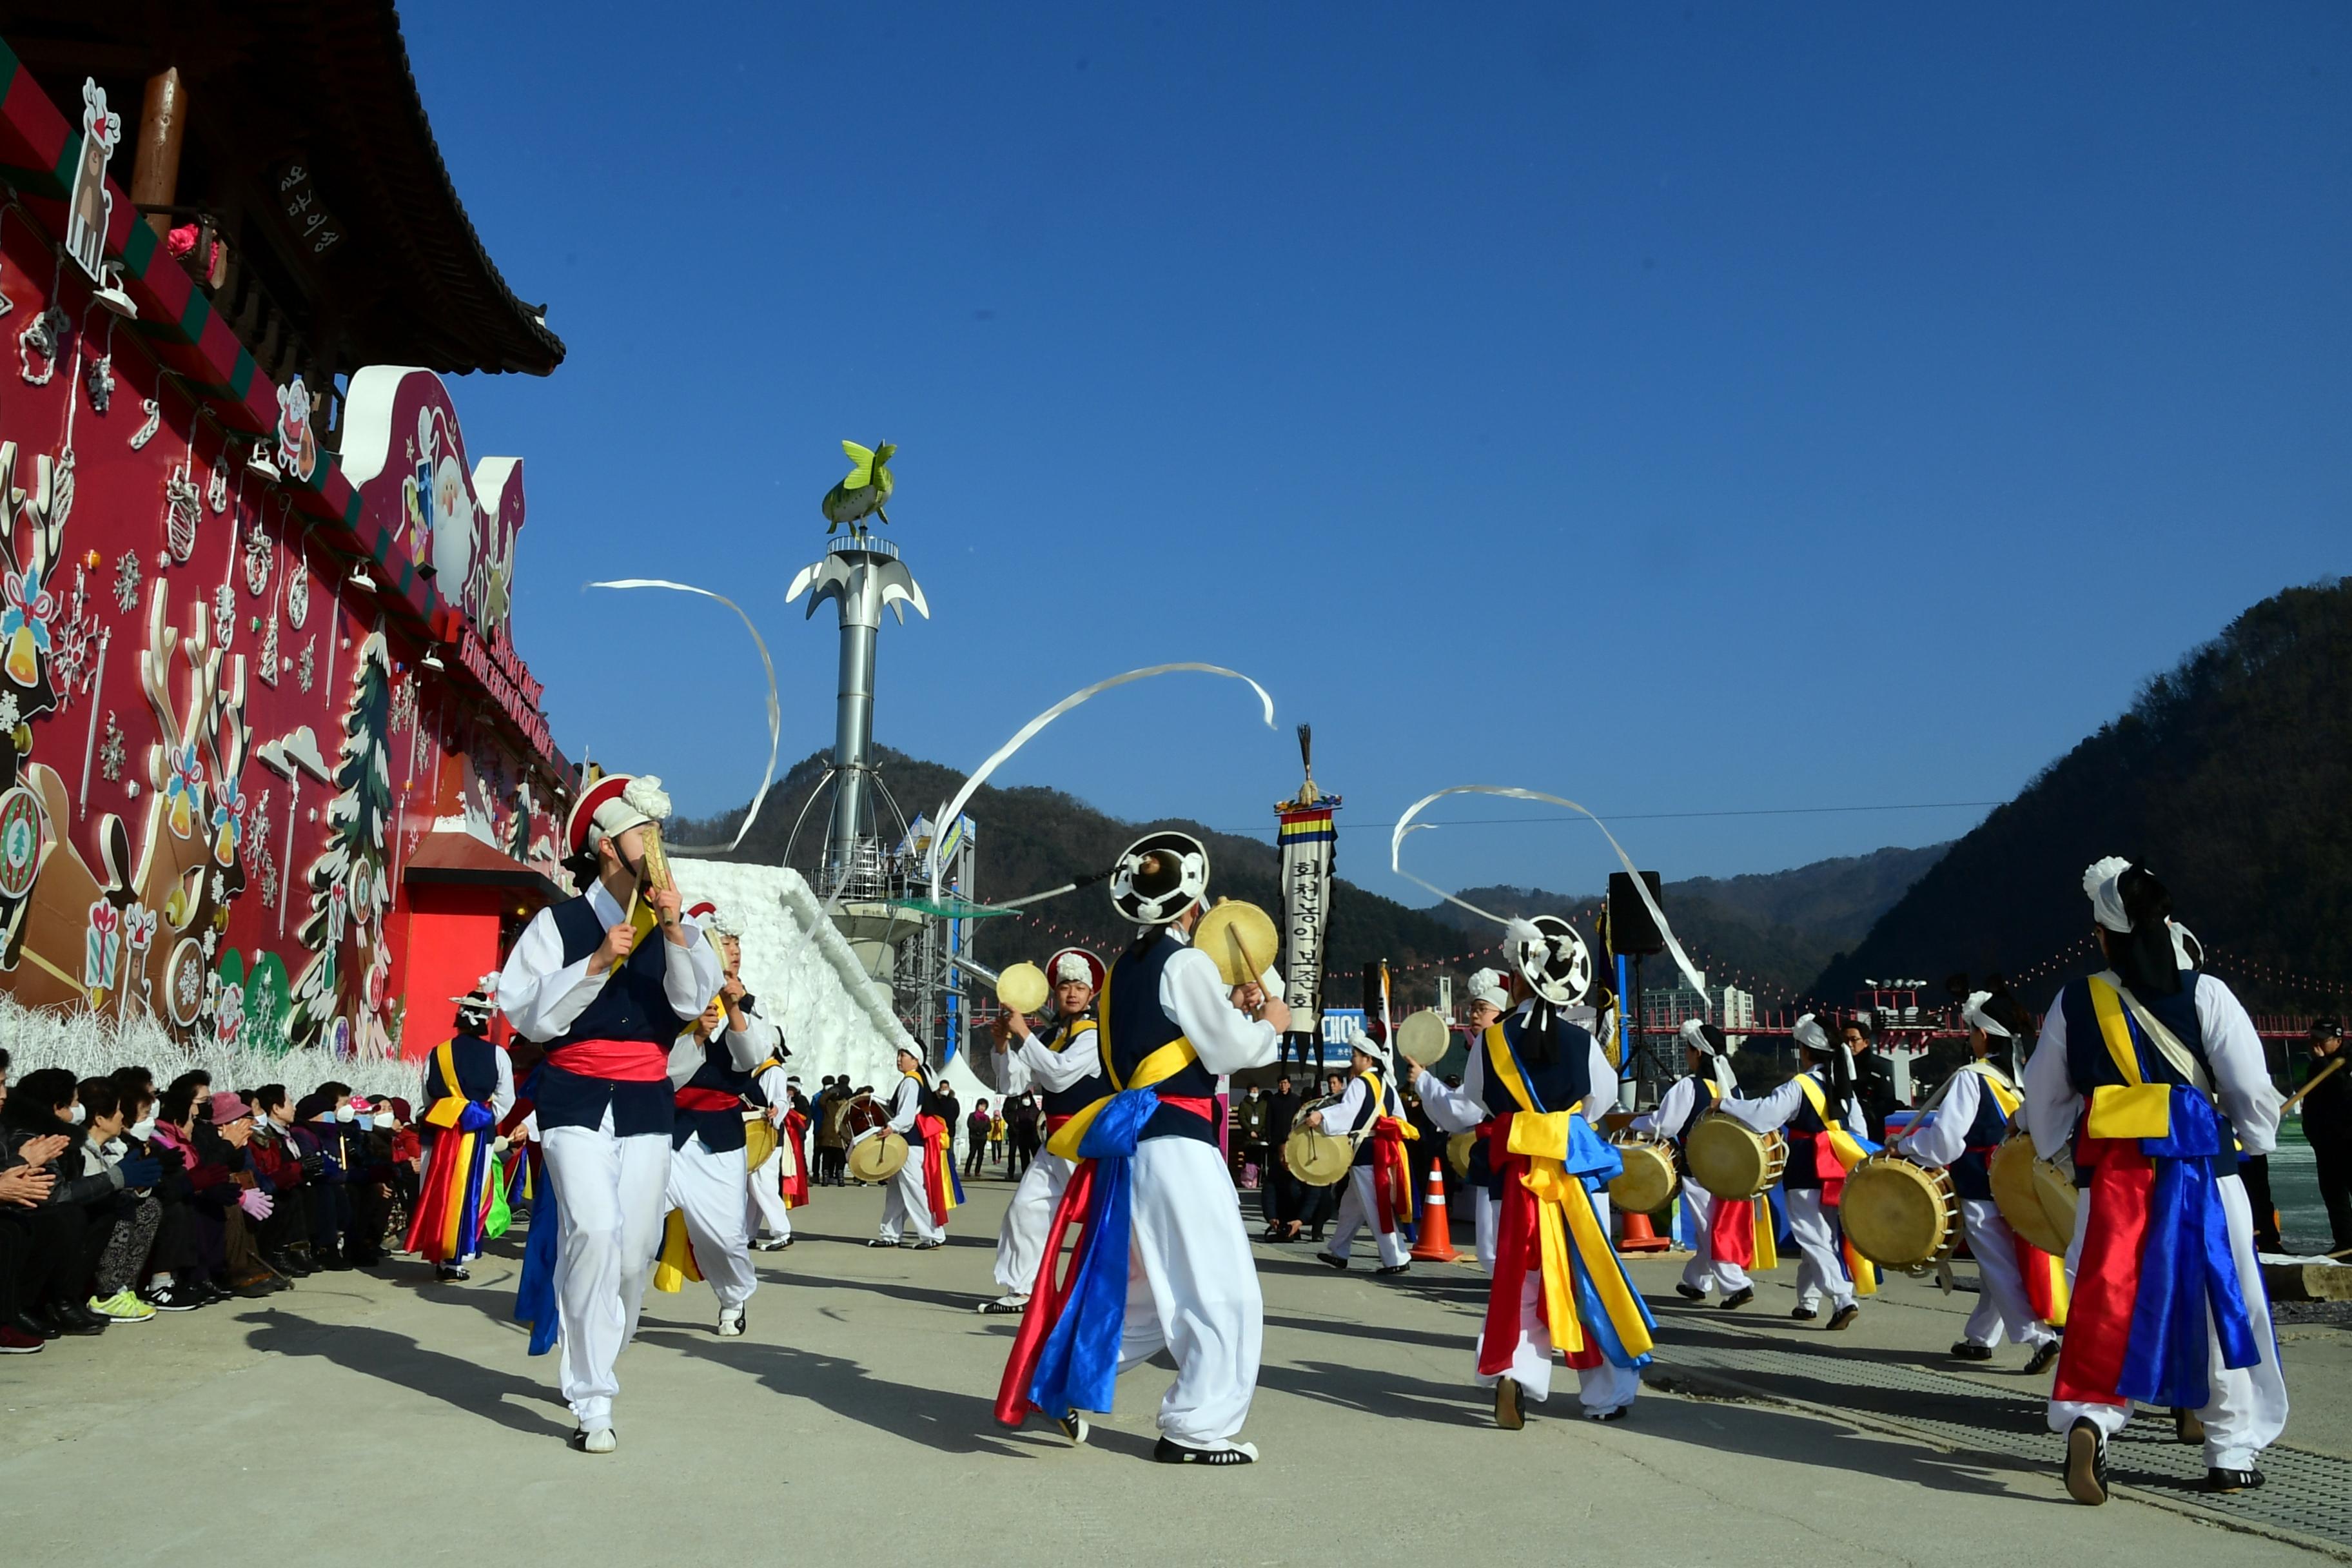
(396, 1359)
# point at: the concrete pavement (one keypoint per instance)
(365, 1415)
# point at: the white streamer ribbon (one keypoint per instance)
(775, 713)
(954, 809)
(1405, 824)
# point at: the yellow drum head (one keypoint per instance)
(1898, 1213)
(878, 1159)
(1728, 1157)
(1317, 1158)
(2036, 1196)
(1648, 1182)
(1021, 987)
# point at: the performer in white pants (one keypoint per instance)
(770, 1211)
(1964, 1123)
(1535, 1064)
(1171, 1025)
(1371, 1107)
(764, 1203)
(906, 1207)
(714, 1072)
(607, 999)
(1819, 1155)
(1066, 1065)
(2155, 1076)
(1706, 1082)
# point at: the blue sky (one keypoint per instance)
(1696, 409)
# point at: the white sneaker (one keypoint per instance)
(730, 1323)
(1007, 1303)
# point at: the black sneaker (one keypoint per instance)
(34, 1325)
(1805, 1315)
(1738, 1299)
(170, 1298)
(1963, 1350)
(72, 1318)
(1074, 1426)
(1339, 1263)
(878, 1241)
(1168, 1451)
(2043, 1355)
(1843, 1316)
(451, 1273)
(1393, 1268)
(2219, 1480)
(2086, 1462)
(1614, 1412)
(1689, 1292)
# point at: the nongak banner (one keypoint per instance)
(1308, 837)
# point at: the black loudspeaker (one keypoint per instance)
(1631, 932)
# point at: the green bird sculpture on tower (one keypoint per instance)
(863, 492)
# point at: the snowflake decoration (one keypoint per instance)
(220, 887)
(268, 882)
(403, 705)
(257, 559)
(212, 940)
(111, 750)
(189, 985)
(7, 710)
(74, 643)
(257, 822)
(99, 381)
(305, 666)
(224, 616)
(126, 582)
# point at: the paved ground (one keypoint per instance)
(360, 1416)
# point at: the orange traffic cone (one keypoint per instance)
(1640, 1237)
(1436, 1241)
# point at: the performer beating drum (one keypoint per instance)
(1706, 1083)
(1380, 1183)
(607, 1003)
(923, 1191)
(1067, 1064)
(2021, 1287)
(1821, 1116)
(1535, 1087)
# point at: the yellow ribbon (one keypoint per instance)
(2134, 1108)
(444, 1113)
(1849, 1153)
(1543, 1138)
(676, 1265)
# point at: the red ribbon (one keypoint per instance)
(1046, 1297)
(692, 1098)
(2107, 1281)
(1731, 1231)
(935, 1192)
(1392, 1177)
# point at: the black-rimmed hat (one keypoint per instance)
(1160, 877)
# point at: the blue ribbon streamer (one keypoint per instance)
(1079, 1366)
(535, 1289)
(2186, 1267)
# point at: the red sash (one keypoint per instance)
(622, 1061)
(691, 1098)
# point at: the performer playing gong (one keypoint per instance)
(1706, 1083)
(1380, 1183)
(1535, 1087)
(921, 1194)
(2156, 1075)
(1152, 1187)
(1067, 1064)
(607, 1003)
(1972, 1115)
(467, 1090)
(1824, 1145)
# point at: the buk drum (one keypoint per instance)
(1316, 1156)
(758, 1139)
(1648, 1182)
(1731, 1160)
(1900, 1213)
(876, 1152)
(2036, 1196)
(1457, 1151)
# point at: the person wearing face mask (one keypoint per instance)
(284, 1170)
(325, 1120)
(131, 1212)
(1249, 1141)
(1971, 1114)
(606, 994)
(2151, 1075)
(1067, 1064)
(42, 1125)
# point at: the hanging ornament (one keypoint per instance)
(224, 616)
(269, 666)
(126, 582)
(38, 345)
(153, 422)
(216, 489)
(297, 594)
(61, 486)
(306, 667)
(98, 379)
(181, 513)
(257, 559)
(110, 752)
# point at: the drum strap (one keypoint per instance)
(1849, 1153)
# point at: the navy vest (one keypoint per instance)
(1803, 1172)
(2089, 1065)
(1557, 1085)
(1077, 1034)
(1135, 1024)
(1376, 1105)
(476, 1062)
(632, 1006)
(1972, 1171)
(721, 1130)
(1703, 1097)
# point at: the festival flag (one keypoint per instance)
(1310, 837)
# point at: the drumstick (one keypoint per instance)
(2316, 1079)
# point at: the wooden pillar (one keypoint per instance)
(162, 126)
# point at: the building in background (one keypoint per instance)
(269, 757)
